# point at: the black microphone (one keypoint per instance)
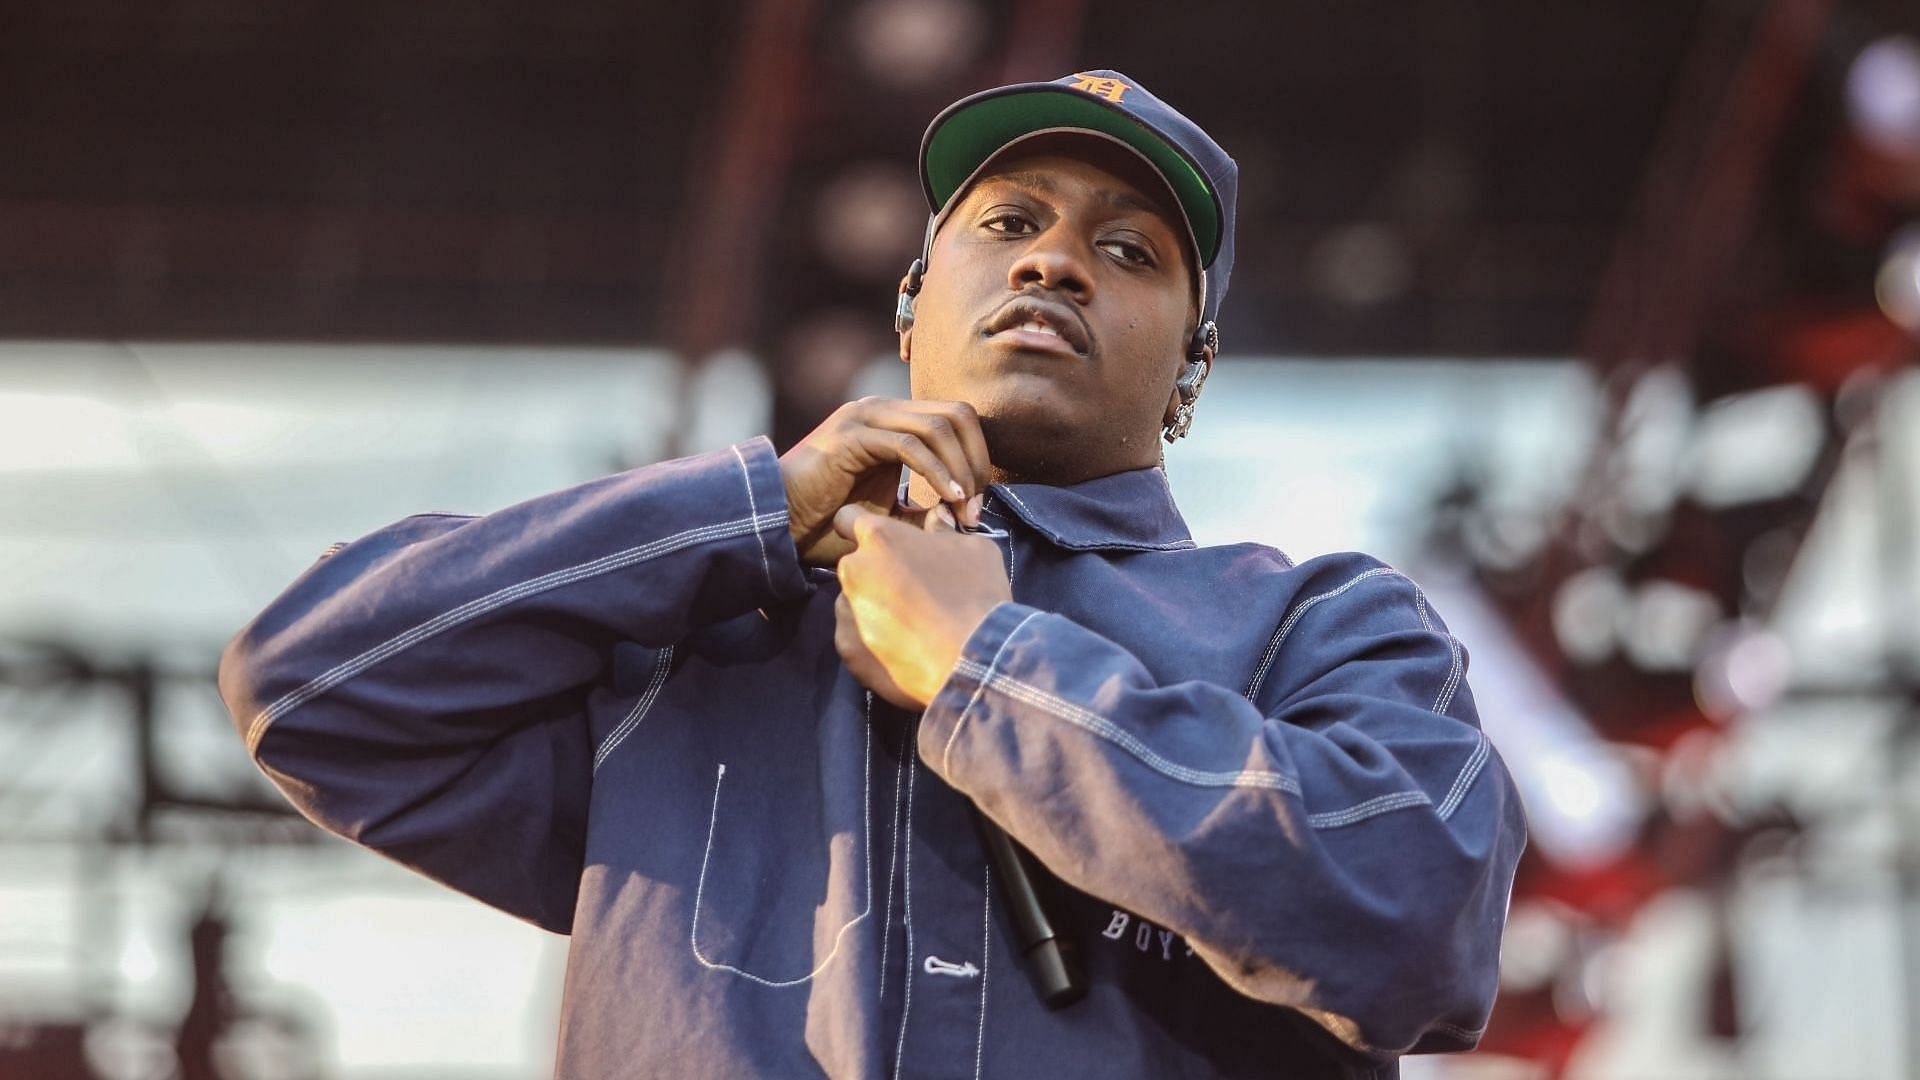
(1052, 959)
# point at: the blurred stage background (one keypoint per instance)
(1599, 319)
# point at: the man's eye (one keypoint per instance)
(1127, 251)
(1007, 223)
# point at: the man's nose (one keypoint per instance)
(1052, 261)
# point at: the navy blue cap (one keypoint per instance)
(1203, 178)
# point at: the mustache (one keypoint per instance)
(1040, 305)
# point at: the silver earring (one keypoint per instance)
(903, 311)
(1182, 422)
(1200, 352)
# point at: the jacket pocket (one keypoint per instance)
(785, 880)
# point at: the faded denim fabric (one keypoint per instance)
(616, 712)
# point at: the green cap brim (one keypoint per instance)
(975, 133)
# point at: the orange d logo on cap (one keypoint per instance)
(1100, 86)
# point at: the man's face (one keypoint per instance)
(1058, 301)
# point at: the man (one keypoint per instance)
(726, 720)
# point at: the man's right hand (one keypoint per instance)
(853, 459)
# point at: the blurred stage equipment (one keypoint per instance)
(1898, 284)
(1762, 298)
(150, 806)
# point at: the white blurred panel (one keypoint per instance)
(164, 493)
(1320, 456)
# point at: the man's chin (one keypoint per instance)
(1032, 443)
(1036, 430)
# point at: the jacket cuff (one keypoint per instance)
(959, 697)
(785, 579)
(782, 579)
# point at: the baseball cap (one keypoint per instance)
(1202, 177)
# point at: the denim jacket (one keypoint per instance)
(616, 712)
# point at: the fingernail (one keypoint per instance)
(958, 491)
(973, 510)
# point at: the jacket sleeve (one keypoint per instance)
(1345, 847)
(424, 690)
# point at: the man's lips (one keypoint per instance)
(1039, 325)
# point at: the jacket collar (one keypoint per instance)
(1130, 511)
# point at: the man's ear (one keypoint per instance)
(906, 335)
(903, 308)
(1195, 365)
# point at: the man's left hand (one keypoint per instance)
(910, 596)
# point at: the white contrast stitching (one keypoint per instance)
(1246, 778)
(1468, 773)
(893, 852)
(1441, 702)
(1098, 725)
(1286, 627)
(986, 954)
(1455, 669)
(986, 507)
(906, 920)
(1374, 807)
(1106, 729)
(933, 965)
(1470, 1034)
(1445, 698)
(839, 939)
(946, 755)
(984, 529)
(754, 511)
(472, 609)
(1010, 561)
(619, 734)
